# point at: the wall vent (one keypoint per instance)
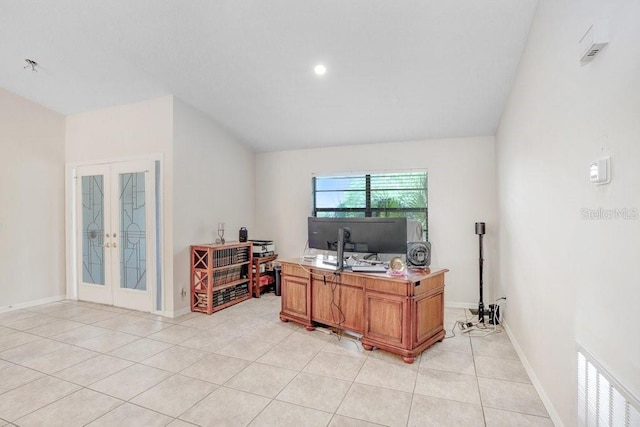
(602, 401)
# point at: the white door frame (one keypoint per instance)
(158, 299)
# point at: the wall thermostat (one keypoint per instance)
(593, 41)
(600, 171)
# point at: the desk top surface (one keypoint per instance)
(411, 275)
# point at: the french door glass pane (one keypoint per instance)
(133, 242)
(93, 230)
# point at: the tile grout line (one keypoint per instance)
(273, 398)
(475, 369)
(205, 354)
(350, 388)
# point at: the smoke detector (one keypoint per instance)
(593, 41)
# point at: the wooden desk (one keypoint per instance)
(403, 315)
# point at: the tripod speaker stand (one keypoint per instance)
(480, 232)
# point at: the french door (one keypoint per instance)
(116, 233)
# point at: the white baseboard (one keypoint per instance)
(28, 304)
(49, 300)
(553, 414)
(180, 312)
(454, 304)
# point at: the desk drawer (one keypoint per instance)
(387, 286)
(352, 280)
(294, 270)
(429, 284)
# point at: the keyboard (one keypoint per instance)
(368, 268)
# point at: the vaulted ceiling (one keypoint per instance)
(397, 70)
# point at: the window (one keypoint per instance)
(373, 195)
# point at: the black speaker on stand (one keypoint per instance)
(480, 230)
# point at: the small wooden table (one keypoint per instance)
(257, 261)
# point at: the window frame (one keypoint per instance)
(368, 209)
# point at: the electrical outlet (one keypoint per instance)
(183, 292)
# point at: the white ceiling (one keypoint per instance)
(398, 70)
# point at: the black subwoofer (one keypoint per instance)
(418, 254)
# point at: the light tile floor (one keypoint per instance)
(74, 364)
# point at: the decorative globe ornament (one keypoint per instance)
(397, 266)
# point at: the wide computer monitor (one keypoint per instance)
(363, 235)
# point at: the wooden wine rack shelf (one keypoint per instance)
(221, 276)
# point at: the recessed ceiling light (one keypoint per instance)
(320, 69)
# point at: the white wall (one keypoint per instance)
(32, 239)
(569, 279)
(461, 192)
(129, 131)
(208, 176)
(123, 131)
(214, 177)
